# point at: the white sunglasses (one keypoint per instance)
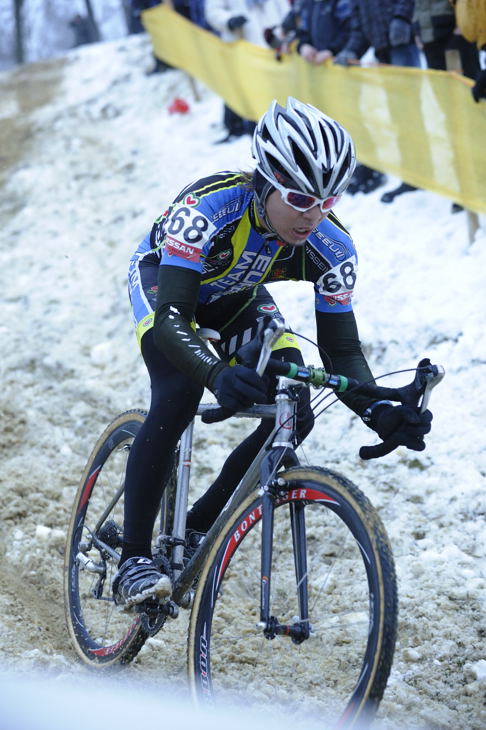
(302, 201)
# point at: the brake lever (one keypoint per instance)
(270, 336)
(426, 378)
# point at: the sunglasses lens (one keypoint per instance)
(329, 202)
(300, 201)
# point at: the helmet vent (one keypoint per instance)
(301, 148)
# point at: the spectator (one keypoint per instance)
(243, 19)
(323, 29)
(479, 88)
(183, 7)
(135, 25)
(281, 36)
(438, 32)
(471, 21)
(385, 25)
(197, 11)
(83, 30)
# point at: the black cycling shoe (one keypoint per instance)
(138, 579)
(390, 196)
(365, 180)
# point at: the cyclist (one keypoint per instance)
(206, 260)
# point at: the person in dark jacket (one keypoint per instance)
(438, 32)
(83, 29)
(471, 22)
(323, 29)
(436, 24)
(386, 26)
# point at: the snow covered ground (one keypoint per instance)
(89, 156)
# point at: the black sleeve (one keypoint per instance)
(338, 335)
(174, 333)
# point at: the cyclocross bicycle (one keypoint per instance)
(291, 597)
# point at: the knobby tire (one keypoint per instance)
(337, 675)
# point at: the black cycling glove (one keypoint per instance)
(404, 424)
(239, 387)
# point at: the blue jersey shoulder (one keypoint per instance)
(198, 214)
(334, 288)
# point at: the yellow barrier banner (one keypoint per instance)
(422, 126)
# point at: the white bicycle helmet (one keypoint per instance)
(301, 148)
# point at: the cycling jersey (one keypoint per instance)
(208, 254)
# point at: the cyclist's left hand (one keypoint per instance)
(404, 424)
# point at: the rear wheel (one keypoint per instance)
(340, 672)
(101, 633)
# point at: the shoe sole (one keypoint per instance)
(162, 589)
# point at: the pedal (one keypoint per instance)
(154, 614)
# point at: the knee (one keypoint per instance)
(175, 400)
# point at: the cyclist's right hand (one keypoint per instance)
(397, 426)
(239, 387)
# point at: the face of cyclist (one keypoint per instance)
(292, 226)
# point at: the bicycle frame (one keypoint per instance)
(279, 445)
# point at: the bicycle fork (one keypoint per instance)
(275, 489)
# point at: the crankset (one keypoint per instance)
(154, 614)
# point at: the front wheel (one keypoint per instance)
(339, 673)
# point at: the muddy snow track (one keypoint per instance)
(89, 157)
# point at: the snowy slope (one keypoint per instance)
(90, 156)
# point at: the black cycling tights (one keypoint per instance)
(173, 405)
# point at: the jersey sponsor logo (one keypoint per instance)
(344, 299)
(191, 200)
(177, 248)
(232, 207)
(317, 258)
(337, 248)
(267, 308)
(248, 272)
(217, 263)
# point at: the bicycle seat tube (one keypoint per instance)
(182, 498)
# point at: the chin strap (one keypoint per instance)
(260, 198)
(261, 194)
